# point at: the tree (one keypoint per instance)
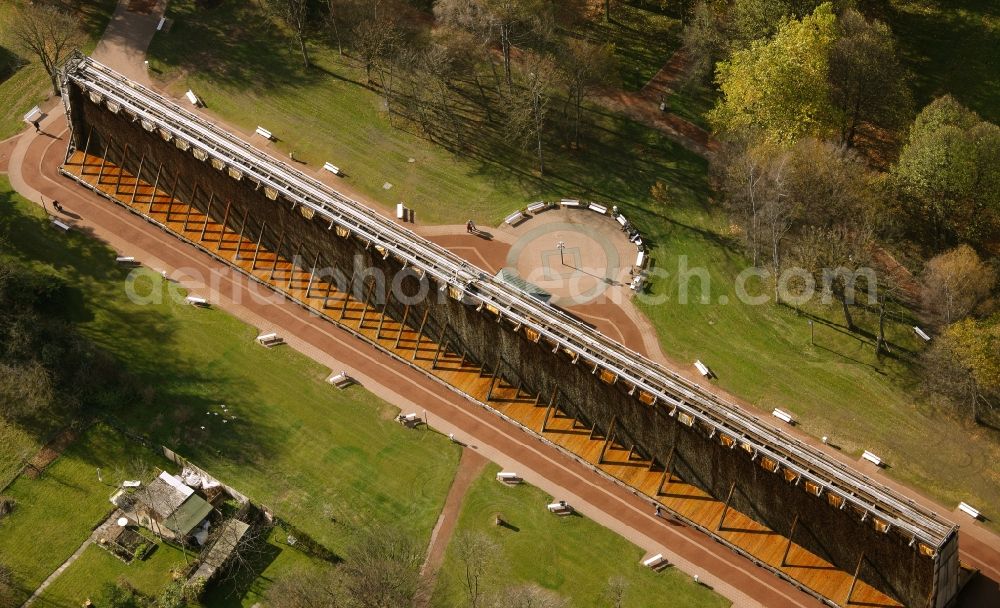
(528, 596)
(949, 175)
(375, 39)
(955, 282)
(584, 67)
(704, 39)
(294, 14)
(778, 89)
(7, 587)
(838, 258)
(963, 365)
(615, 590)
(382, 568)
(310, 589)
(528, 112)
(479, 556)
(868, 84)
(49, 34)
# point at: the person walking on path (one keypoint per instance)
(37, 125)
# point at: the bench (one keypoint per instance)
(401, 211)
(126, 260)
(560, 508)
(969, 510)
(410, 419)
(515, 217)
(921, 333)
(508, 477)
(656, 562)
(872, 458)
(703, 369)
(61, 225)
(340, 380)
(332, 168)
(637, 282)
(159, 26)
(264, 133)
(192, 98)
(537, 207)
(269, 340)
(131, 484)
(569, 202)
(621, 220)
(598, 208)
(196, 301)
(34, 114)
(640, 259)
(783, 415)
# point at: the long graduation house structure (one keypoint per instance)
(812, 520)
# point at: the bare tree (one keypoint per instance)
(528, 111)
(7, 587)
(295, 14)
(838, 258)
(528, 596)
(382, 568)
(955, 282)
(48, 33)
(311, 589)
(375, 38)
(480, 557)
(236, 555)
(615, 590)
(584, 67)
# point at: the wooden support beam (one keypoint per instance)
(788, 546)
(548, 410)
(420, 334)
(493, 379)
(104, 160)
(208, 216)
(364, 308)
(631, 451)
(668, 470)
(191, 207)
(329, 288)
(402, 325)
(441, 341)
(86, 150)
(291, 269)
(277, 254)
(253, 264)
(725, 510)
(854, 581)
(138, 175)
(607, 439)
(385, 309)
(121, 169)
(156, 184)
(312, 276)
(225, 218)
(239, 241)
(347, 294)
(170, 199)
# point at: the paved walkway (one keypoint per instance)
(123, 44)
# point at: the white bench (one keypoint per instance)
(61, 225)
(969, 510)
(783, 415)
(196, 301)
(921, 333)
(656, 562)
(640, 259)
(569, 202)
(264, 133)
(269, 340)
(126, 260)
(340, 380)
(538, 206)
(872, 458)
(408, 419)
(598, 208)
(192, 98)
(332, 168)
(636, 283)
(508, 477)
(515, 217)
(159, 26)
(131, 483)
(703, 369)
(33, 114)
(560, 508)
(401, 211)
(621, 220)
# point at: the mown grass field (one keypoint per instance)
(325, 460)
(23, 81)
(572, 556)
(837, 387)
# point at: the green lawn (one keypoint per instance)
(950, 46)
(56, 512)
(572, 556)
(324, 459)
(762, 353)
(29, 84)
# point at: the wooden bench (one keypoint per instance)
(969, 510)
(192, 98)
(560, 508)
(340, 380)
(538, 207)
(269, 340)
(569, 202)
(126, 260)
(703, 369)
(508, 478)
(332, 168)
(921, 333)
(872, 458)
(264, 133)
(640, 259)
(514, 218)
(196, 301)
(598, 208)
(783, 415)
(61, 225)
(656, 562)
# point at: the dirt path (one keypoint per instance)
(469, 467)
(48, 454)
